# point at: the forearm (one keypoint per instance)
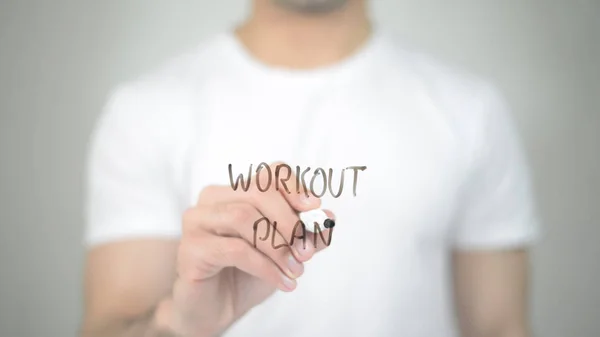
(491, 292)
(155, 322)
(504, 334)
(499, 331)
(512, 332)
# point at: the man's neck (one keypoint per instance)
(282, 38)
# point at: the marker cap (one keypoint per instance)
(316, 215)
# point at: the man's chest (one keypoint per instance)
(392, 218)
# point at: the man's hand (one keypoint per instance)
(220, 273)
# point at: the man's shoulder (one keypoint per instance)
(183, 71)
(438, 77)
(166, 93)
(467, 102)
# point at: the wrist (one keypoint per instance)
(164, 323)
(167, 324)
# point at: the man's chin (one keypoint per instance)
(312, 6)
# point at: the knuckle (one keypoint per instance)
(189, 215)
(231, 251)
(194, 218)
(206, 192)
(274, 164)
(259, 198)
(236, 248)
(239, 212)
(190, 248)
(189, 220)
(194, 257)
(253, 195)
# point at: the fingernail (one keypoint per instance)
(304, 252)
(295, 268)
(288, 283)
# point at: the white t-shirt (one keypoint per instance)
(444, 170)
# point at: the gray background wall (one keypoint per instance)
(59, 58)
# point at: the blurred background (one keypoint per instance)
(59, 59)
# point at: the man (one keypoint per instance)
(432, 226)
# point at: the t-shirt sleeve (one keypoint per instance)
(128, 192)
(497, 209)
